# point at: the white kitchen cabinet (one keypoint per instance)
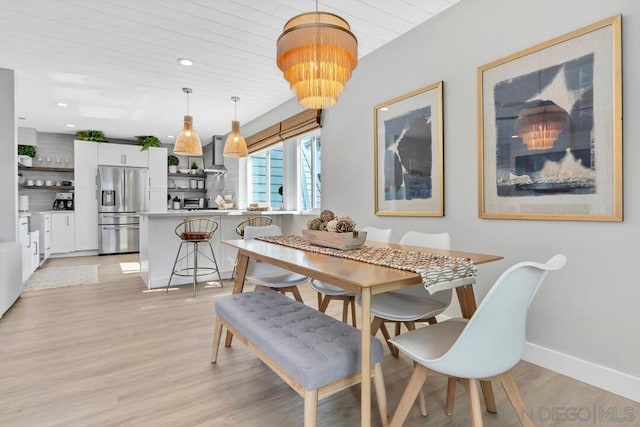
(35, 250)
(86, 219)
(122, 155)
(157, 186)
(25, 241)
(42, 223)
(62, 232)
(86, 195)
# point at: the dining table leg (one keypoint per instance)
(365, 389)
(238, 285)
(468, 306)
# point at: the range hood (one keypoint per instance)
(217, 167)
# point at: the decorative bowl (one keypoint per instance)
(184, 170)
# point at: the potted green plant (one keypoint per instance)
(26, 153)
(91, 135)
(194, 168)
(146, 141)
(173, 163)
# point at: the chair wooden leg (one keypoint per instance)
(422, 402)
(325, 303)
(310, 408)
(217, 333)
(352, 301)
(489, 399)
(414, 386)
(375, 325)
(432, 321)
(511, 388)
(345, 310)
(296, 294)
(473, 393)
(385, 333)
(398, 328)
(381, 394)
(451, 395)
(319, 295)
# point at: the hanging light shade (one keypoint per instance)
(235, 146)
(188, 141)
(540, 126)
(317, 53)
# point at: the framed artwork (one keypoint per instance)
(550, 129)
(408, 154)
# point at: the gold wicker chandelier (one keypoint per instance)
(540, 126)
(317, 53)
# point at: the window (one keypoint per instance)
(293, 164)
(310, 157)
(266, 176)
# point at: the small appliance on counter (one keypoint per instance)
(193, 203)
(63, 202)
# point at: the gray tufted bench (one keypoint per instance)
(314, 353)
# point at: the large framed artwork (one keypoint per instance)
(550, 129)
(408, 154)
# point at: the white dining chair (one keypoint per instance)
(485, 347)
(413, 304)
(268, 275)
(328, 292)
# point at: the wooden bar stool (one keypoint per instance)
(195, 231)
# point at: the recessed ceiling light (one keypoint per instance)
(384, 109)
(170, 136)
(184, 61)
(62, 104)
(70, 125)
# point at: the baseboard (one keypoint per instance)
(608, 379)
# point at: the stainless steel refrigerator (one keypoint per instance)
(121, 198)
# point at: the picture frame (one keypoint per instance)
(409, 154)
(550, 129)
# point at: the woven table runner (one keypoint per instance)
(431, 267)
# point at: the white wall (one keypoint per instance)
(587, 311)
(8, 159)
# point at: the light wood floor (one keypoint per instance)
(115, 354)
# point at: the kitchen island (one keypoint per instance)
(159, 243)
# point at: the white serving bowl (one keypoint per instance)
(184, 170)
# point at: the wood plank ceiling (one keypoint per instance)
(114, 61)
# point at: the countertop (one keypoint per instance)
(215, 212)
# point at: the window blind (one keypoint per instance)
(291, 127)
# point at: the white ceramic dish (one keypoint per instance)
(184, 170)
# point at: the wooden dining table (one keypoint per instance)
(359, 277)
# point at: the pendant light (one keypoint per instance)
(235, 146)
(187, 141)
(317, 53)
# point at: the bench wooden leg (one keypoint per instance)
(310, 408)
(381, 394)
(217, 334)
